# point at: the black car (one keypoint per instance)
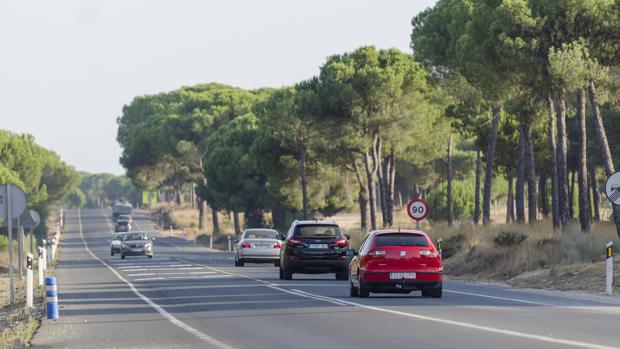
(314, 247)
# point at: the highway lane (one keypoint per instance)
(189, 296)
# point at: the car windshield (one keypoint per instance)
(317, 231)
(400, 239)
(118, 237)
(122, 222)
(261, 234)
(136, 236)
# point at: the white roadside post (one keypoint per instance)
(211, 241)
(29, 281)
(40, 266)
(53, 249)
(229, 244)
(44, 243)
(609, 268)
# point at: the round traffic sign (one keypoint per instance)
(612, 188)
(13, 196)
(417, 209)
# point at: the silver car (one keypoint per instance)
(258, 246)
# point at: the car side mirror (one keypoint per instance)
(347, 236)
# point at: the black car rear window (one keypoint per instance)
(317, 231)
(400, 239)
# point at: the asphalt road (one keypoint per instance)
(188, 296)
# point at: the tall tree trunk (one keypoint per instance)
(215, 220)
(449, 188)
(390, 174)
(178, 195)
(601, 139)
(477, 187)
(362, 197)
(303, 179)
(542, 194)
(563, 198)
(555, 207)
(201, 213)
(595, 194)
(510, 212)
(236, 222)
(571, 196)
(520, 185)
(584, 201)
(531, 174)
(371, 171)
(488, 178)
(382, 200)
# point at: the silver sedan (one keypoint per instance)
(258, 246)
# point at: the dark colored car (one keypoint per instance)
(122, 226)
(391, 261)
(137, 244)
(314, 247)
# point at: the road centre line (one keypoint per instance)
(483, 328)
(198, 334)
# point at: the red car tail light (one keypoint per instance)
(277, 245)
(342, 242)
(294, 243)
(246, 245)
(429, 254)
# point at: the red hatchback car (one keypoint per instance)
(396, 261)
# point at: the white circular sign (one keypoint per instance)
(612, 188)
(417, 209)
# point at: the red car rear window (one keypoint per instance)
(400, 239)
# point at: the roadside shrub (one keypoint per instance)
(462, 201)
(4, 243)
(508, 239)
(452, 245)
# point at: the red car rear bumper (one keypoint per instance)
(381, 282)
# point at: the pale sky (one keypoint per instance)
(68, 67)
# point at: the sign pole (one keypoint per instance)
(9, 220)
(609, 268)
(20, 247)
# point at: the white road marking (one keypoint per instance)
(499, 298)
(512, 333)
(148, 279)
(198, 334)
(142, 274)
(190, 273)
(155, 269)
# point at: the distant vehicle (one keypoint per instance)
(116, 243)
(120, 208)
(122, 226)
(137, 244)
(391, 261)
(258, 246)
(314, 247)
(125, 217)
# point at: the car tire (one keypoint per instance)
(281, 273)
(276, 263)
(363, 291)
(437, 291)
(342, 274)
(287, 273)
(122, 256)
(150, 256)
(112, 253)
(353, 291)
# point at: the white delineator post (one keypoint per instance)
(40, 266)
(53, 249)
(44, 242)
(609, 268)
(29, 281)
(229, 244)
(211, 241)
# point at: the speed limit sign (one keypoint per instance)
(417, 209)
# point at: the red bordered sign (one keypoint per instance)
(417, 209)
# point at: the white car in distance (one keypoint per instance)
(258, 246)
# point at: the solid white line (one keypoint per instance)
(541, 338)
(200, 335)
(499, 298)
(148, 279)
(141, 274)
